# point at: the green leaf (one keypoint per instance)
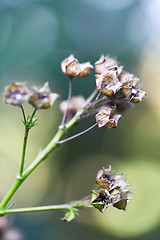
(69, 216)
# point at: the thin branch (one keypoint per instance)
(77, 135)
(24, 116)
(68, 100)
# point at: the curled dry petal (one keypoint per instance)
(72, 68)
(16, 93)
(42, 98)
(106, 118)
(108, 82)
(75, 104)
(104, 63)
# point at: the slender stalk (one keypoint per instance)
(23, 151)
(24, 116)
(68, 100)
(25, 142)
(77, 135)
(69, 206)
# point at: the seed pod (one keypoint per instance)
(42, 98)
(16, 93)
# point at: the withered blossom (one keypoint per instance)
(114, 191)
(131, 87)
(108, 83)
(106, 118)
(42, 98)
(104, 63)
(75, 104)
(72, 68)
(16, 93)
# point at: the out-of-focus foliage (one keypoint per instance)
(35, 36)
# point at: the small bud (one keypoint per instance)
(42, 98)
(72, 68)
(106, 118)
(16, 93)
(104, 63)
(69, 216)
(75, 104)
(108, 82)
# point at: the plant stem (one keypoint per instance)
(69, 206)
(24, 116)
(68, 100)
(27, 128)
(23, 151)
(40, 157)
(77, 135)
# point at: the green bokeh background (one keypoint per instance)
(35, 36)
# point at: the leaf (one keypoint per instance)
(69, 216)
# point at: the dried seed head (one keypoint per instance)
(72, 68)
(113, 190)
(16, 93)
(75, 104)
(42, 98)
(106, 118)
(108, 82)
(104, 63)
(131, 87)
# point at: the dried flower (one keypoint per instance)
(131, 87)
(108, 82)
(104, 63)
(42, 98)
(75, 104)
(106, 117)
(16, 93)
(72, 68)
(113, 192)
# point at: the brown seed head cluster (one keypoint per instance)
(111, 79)
(41, 98)
(113, 190)
(117, 89)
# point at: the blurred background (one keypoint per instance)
(35, 36)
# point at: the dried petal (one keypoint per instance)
(85, 69)
(106, 118)
(16, 93)
(103, 178)
(72, 68)
(42, 98)
(131, 87)
(104, 63)
(108, 82)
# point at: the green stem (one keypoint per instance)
(72, 206)
(23, 151)
(27, 128)
(40, 157)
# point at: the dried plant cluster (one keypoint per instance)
(116, 90)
